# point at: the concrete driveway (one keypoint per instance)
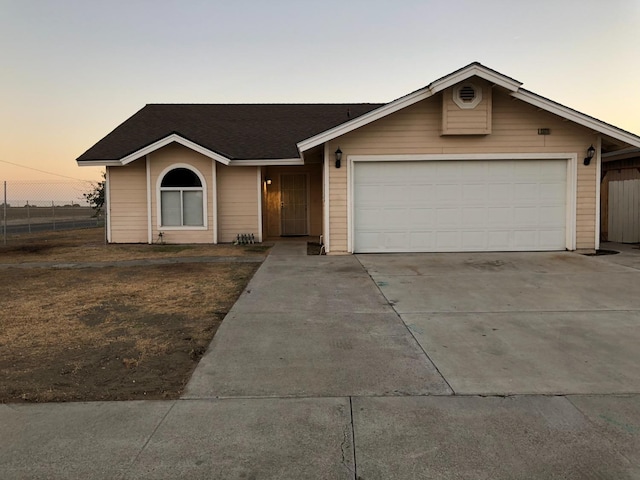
(461, 366)
(520, 323)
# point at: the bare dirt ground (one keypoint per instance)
(114, 333)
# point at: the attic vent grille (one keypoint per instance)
(467, 95)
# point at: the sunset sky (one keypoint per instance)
(73, 70)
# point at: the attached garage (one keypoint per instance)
(458, 205)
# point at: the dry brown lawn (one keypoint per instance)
(114, 333)
(88, 245)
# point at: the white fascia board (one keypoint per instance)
(363, 120)
(576, 117)
(99, 163)
(408, 100)
(170, 139)
(266, 162)
(477, 71)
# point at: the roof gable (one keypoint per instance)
(513, 87)
(271, 133)
(224, 132)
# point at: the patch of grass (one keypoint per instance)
(117, 333)
(171, 248)
(256, 248)
(88, 245)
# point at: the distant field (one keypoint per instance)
(31, 214)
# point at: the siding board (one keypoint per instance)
(128, 202)
(417, 130)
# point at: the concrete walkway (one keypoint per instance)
(313, 374)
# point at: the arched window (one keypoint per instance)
(181, 199)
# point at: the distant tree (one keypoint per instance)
(95, 197)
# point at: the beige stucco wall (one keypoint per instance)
(128, 203)
(272, 198)
(238, 201)
(418, 130)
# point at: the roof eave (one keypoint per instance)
(577, 117)
(174, 137)
(475, 70)
(362, 120)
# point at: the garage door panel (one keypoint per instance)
(474, 216)
(420, 239)
(448, 217)
(525, 239)
(525, 216)
(551, 190)
(526, 193)
(459, 205)
(474, 192)
(499, 216)
(553, 216)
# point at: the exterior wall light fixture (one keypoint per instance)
(590, 153)
(268, 181)
(338, 155)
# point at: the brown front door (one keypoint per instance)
(293, 204)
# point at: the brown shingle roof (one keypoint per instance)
(236, 131)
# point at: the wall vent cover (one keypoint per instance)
(467, 95)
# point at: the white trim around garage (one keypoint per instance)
(572, 185)
(325, 199)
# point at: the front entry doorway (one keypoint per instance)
(293, 204)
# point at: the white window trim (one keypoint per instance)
(572, 181)
(203, 182)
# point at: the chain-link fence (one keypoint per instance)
(32, 208)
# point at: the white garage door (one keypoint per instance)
(459, 206)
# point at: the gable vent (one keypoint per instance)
(467, 93)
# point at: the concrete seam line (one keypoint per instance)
(353, 440)
(406, 327)
(150, 437)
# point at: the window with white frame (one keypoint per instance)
(181, 199)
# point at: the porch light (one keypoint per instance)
(268, 180)
(590, 153)
(338, 155)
